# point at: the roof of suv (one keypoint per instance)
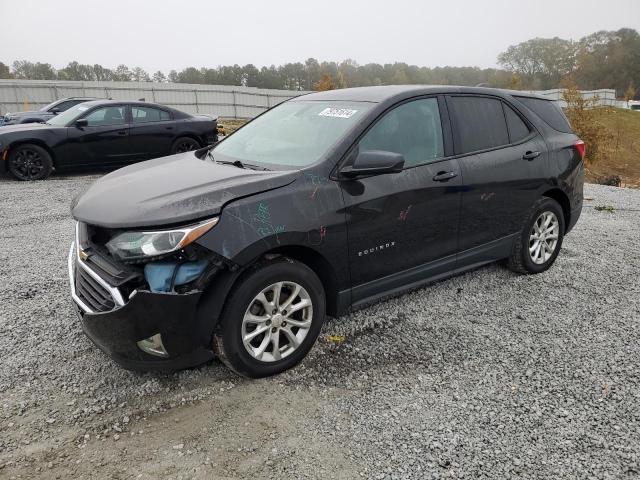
(386, 92)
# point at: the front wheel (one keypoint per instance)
(540, 240)
(30, 162)
(271, 319)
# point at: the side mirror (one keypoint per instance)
(55, 111)
(374, 162)
(82, 122)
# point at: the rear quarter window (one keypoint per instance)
(518, 130)
(548, 111)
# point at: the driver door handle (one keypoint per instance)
(122, 132)
(530, 155)
(444, 176)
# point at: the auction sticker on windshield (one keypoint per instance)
(337, 112)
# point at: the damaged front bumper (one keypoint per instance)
(118, 325)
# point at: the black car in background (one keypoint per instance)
(101, 133)
(324, 203)
(43, 114)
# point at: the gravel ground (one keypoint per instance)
(487, 375)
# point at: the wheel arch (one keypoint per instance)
(32, 141)
(320, 266)
(216, 293)
(190, 135)
(562, 198)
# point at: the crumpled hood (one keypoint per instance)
(170, 190)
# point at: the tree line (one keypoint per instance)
(309, 75)
(605, 59)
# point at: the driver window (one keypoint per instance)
(412, 129)
(107, 116)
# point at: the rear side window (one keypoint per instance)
(548, 111)
(518, 130)
(479, 123)
(148, 114)
(412, 129)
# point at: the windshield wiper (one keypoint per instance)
(239, 164)
(235, 163)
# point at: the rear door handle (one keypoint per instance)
(122, 132)
(444, 176)
(530, 155)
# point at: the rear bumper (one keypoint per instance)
(186, 338)
(575, 215)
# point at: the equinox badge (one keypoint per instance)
(377, 248)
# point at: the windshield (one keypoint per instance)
(293, 134)
(68, 116)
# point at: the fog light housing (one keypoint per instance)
(153, 346)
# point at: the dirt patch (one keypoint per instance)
(624, 159)
(230, 125)
(254, 430)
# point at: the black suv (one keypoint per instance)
(320, 205)
(45, 113)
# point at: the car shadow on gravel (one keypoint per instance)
(77, 176)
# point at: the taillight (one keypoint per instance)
(581, 148)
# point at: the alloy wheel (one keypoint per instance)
(185, 146)
(543, 238)
(27, 164)
(277, 321)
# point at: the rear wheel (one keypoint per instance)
(30, 162)
(539, 243)
(271, 320)
(184, 144)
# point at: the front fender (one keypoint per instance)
(307, 213)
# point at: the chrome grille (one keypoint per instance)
(88, 290)
(92, 293)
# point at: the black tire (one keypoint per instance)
(29, 162)
(521, 259)
(184, 144)
(227, 339)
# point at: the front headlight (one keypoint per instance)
(129, 246)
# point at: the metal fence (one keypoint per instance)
(218, 100)
(605, 97)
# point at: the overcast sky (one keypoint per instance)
(165, 35)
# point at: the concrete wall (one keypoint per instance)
(219, 100)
